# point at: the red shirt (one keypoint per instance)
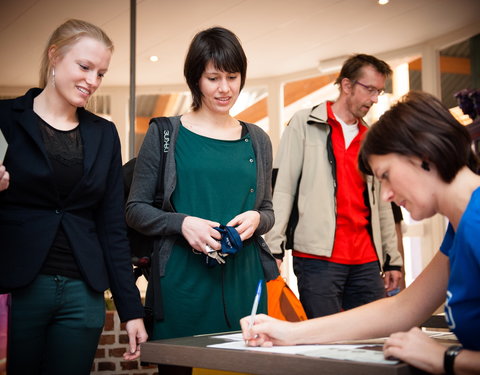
(353, 243)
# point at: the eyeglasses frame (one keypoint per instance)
(373, 91)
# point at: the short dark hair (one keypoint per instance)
(351, 68)
(223, 48)
(420, 125)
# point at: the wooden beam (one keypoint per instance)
(254, 113)
(172, 100)
(299, 89)
(448, 64)
(141, 124)
(293, 91)
(161, 105)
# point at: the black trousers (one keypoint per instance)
(326, 288)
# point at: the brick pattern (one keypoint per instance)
(112, 345)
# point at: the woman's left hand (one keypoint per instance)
(136, 335)
(245, 223)
(417, 349)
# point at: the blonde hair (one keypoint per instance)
(64, 37)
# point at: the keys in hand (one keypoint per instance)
(216, 255)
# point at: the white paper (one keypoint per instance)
(240, 345)
(359, 353)
(443, 335)
(3, 147)
(231, 337)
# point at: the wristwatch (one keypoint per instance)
(449, 358)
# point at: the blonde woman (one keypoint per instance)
(62, 217)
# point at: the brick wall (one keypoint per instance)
(113, 343)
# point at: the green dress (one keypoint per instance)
(216, 180)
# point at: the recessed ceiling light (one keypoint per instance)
(153, 58)
(383, 2)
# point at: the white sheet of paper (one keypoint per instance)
(231, 337)
(3, 147)
(240, 345)
(359, 354)
(344, 352)
(444, 335)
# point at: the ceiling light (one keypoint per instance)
(383, 2)
(153, 58)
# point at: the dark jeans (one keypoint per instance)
(56, 323)
(326, 288)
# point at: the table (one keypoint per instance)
(193, 352)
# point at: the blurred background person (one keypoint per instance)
(344, 244)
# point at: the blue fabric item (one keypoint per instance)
(462, 306)
(231, 242)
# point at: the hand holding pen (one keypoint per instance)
(255, 307)
(268, 331)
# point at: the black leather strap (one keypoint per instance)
(449, 358)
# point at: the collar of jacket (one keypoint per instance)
(25, 102)
(319, 114)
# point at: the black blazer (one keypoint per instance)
(92, 215)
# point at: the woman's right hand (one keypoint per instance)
(199, 233)
(4, 178)
(266, 331)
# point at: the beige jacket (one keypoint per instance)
(306, 150)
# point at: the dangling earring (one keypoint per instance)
(53, 77)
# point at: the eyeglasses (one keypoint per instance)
(371, 90)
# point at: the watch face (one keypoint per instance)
(454, 350)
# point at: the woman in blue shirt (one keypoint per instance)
(424, 159)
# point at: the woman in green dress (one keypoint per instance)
(217, 172)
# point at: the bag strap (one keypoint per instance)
(165, 127)
(153, 298)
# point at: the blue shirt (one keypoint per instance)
(462, 307)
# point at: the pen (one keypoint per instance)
(255, 305)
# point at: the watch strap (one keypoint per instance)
(449, 358)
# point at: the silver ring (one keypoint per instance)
(208, 249)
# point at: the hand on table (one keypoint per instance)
(417, 349)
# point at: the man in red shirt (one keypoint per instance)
(344, 242)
